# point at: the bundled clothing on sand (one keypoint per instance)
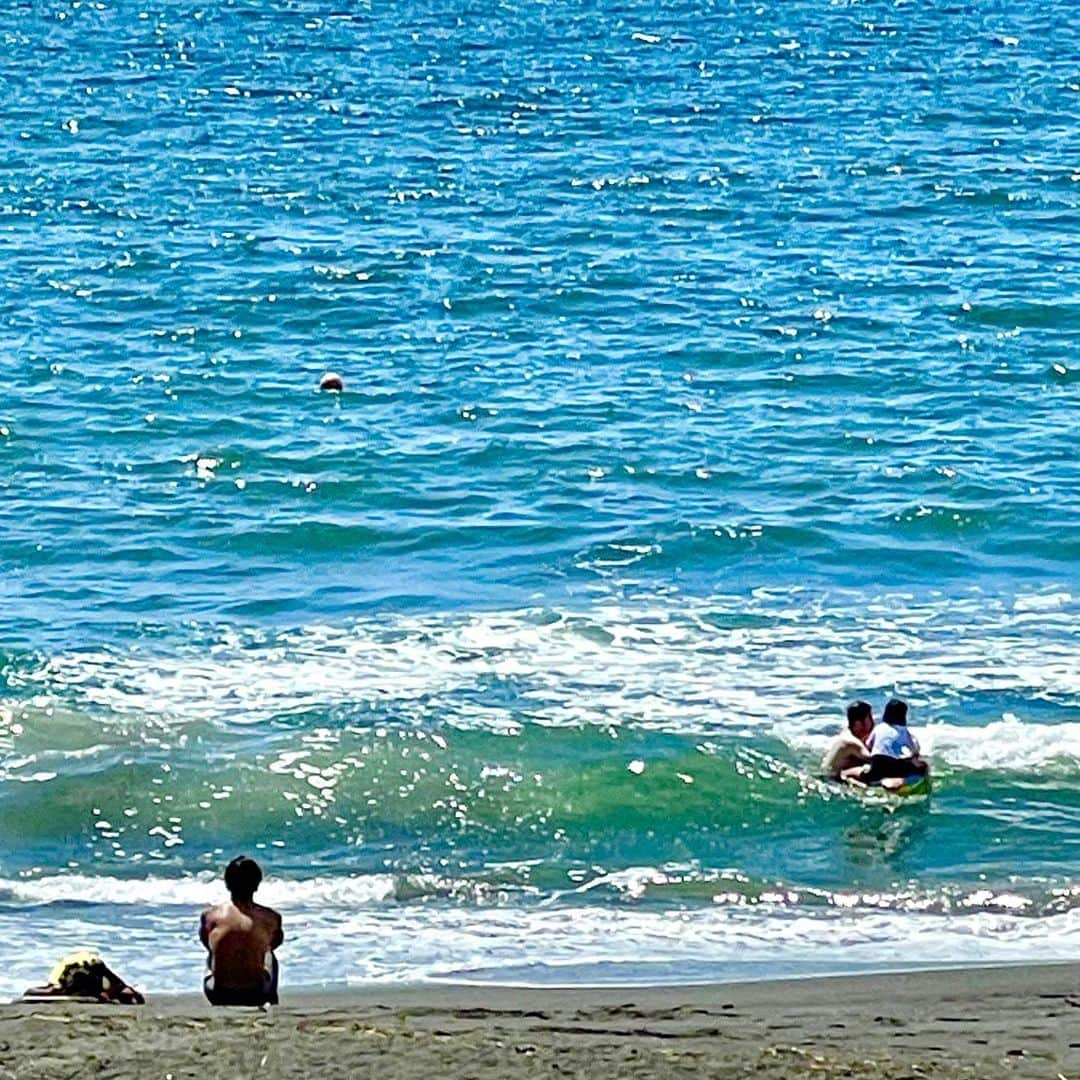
(84, 976)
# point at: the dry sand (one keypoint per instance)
(1005, 1022)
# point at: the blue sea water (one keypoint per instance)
(706, 365)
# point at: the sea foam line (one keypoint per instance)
(771, 663)
(157, 949)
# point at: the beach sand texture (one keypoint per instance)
(1006, 1022)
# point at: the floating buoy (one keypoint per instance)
(332, 381)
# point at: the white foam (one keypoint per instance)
(418, 942)
(197, 890)
(1003, 744)
(773, 663)
(1009, 743)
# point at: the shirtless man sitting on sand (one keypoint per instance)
(848, 750)
(240, 937)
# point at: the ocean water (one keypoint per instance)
(706, 366)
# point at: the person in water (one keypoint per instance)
(894, 751)
(240, 938)
(848, 750)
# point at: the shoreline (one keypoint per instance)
(986, 1022)
(304, 995)
(300, 995)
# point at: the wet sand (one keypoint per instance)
(979, 1023)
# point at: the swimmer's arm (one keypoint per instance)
(204, 931)
(855, 751)
(917, 757)
(279, 935)
(854, 776)
(841, 754)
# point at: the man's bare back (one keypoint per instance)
(240, 937)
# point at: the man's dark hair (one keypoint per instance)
(856, 711)
(895, 713)
(242, 877)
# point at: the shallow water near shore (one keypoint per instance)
(704, 368)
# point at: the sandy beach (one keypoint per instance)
(983, 1023)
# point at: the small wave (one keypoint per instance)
(1006, 744)
(336, 892)
(732, 888)
(680, 664)
(364, 944)
(728, 889)
(603, 735)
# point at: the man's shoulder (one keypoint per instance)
(268, 912)
(216, 912)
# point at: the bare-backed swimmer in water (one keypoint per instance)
(848, 750)
(240, 937)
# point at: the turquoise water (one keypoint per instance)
(705, 366)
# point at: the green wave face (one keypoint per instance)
(539, 750)
(541, 811)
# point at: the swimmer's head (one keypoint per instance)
(860, 719)
(895, 713)
(242, 877)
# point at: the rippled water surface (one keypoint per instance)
(706, 365)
